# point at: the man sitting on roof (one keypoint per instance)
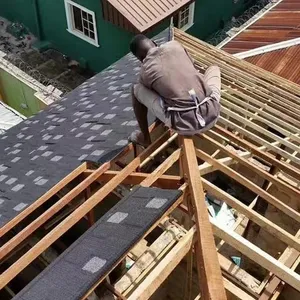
(173, 90)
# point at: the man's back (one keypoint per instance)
(169, 71)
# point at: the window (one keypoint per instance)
(81, 22)
(185, 17)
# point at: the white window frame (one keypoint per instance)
(191, 18)
(71, 26)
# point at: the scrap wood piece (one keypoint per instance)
(210, 277)
(167, 239)
(164, 268)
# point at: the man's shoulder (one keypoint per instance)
(171, 44)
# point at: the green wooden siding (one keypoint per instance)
(113, 41)
(211, 15)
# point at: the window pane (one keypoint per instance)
(91, 26)
(92, 35)
(86, 32)
(84, 15)
(90, 18)
(77, 18)
(85, 24)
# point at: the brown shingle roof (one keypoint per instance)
(143, 14)
(281, 23)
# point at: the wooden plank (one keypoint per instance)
(259, 256)
(168, 163)
(253, 187)
(292, 171)
(42, 199)
(267, 176)
(166, 240)
(164, 268)
(275, 281)
(267, 79)
(73, 218)
(260, 129)
(211, 283)
(259, 140)
(164, 181)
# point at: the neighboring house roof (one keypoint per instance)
(280, 24)
(142, 14)
(8, 117)
(92, 123)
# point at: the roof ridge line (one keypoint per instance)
(268, 48)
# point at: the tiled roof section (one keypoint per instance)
(92, 123)
(143, 14)
(90, 258)
(281, 23)
(284, 62)
(8, 118)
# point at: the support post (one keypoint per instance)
(209, 271)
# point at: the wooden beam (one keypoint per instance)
(164, 181)
(21, 216)
(292, 256)
(164, 268)
(253, 187)
(157, 250)
(73, 218)
(263, 222)
(256, 254)
(168, 163)
(211, 283)
(267, 176)
(292, 171)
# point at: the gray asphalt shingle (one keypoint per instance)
(84, 125)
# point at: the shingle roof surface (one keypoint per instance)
(73, 273)
(92, 123)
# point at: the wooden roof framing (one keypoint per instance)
(260, 121)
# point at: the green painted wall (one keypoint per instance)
(21, 11)
(210, 14)
(113, 40)
(14, 92)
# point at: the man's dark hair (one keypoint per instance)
(136, 43)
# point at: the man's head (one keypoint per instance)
(140, 45)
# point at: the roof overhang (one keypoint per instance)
(140, 14)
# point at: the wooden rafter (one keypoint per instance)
(251, 106)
